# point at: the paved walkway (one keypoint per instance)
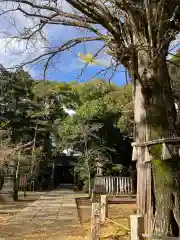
(56, 209)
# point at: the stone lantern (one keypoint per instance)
(99, 186)
(9, 177)
(99, 166)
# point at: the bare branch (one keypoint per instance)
(69, 44)
(36, 6)
(127, 24)
(55, 15)
(85, 25)
(4, 12)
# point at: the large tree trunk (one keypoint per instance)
(155, 118)
(144, 204)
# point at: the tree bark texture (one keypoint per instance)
(158, 190)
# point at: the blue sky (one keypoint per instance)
(89, 73)
(66, 66)
(59, 73)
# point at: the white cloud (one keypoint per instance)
(13, 51)
(13, 22)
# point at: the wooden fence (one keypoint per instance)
(115, 185)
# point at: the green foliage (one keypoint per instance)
(50, 89)
(120, 102)
(15, 101)
(34, 111)
(93, 128)
(93, 110)
(85, 167)
(26, 105)
(93, 89)
(99, 99)
(115, 170)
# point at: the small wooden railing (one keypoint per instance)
(115, 185)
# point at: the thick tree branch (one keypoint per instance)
(79, 24)
(61, 18)
(127, 25)
(91, 9)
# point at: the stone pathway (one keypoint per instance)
(55, 210)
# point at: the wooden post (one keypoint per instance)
(117, 184)
(109, 180)
(112, 185)
(106, 184)
(125, 185)
(95, 221)
(137, 227)
(104, 208)
(131, 186)
(128, 184)
(123, 180)
(120, 185)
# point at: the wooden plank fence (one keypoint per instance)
(115, 185)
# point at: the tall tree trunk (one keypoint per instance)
(155, 118)
(144, 205)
